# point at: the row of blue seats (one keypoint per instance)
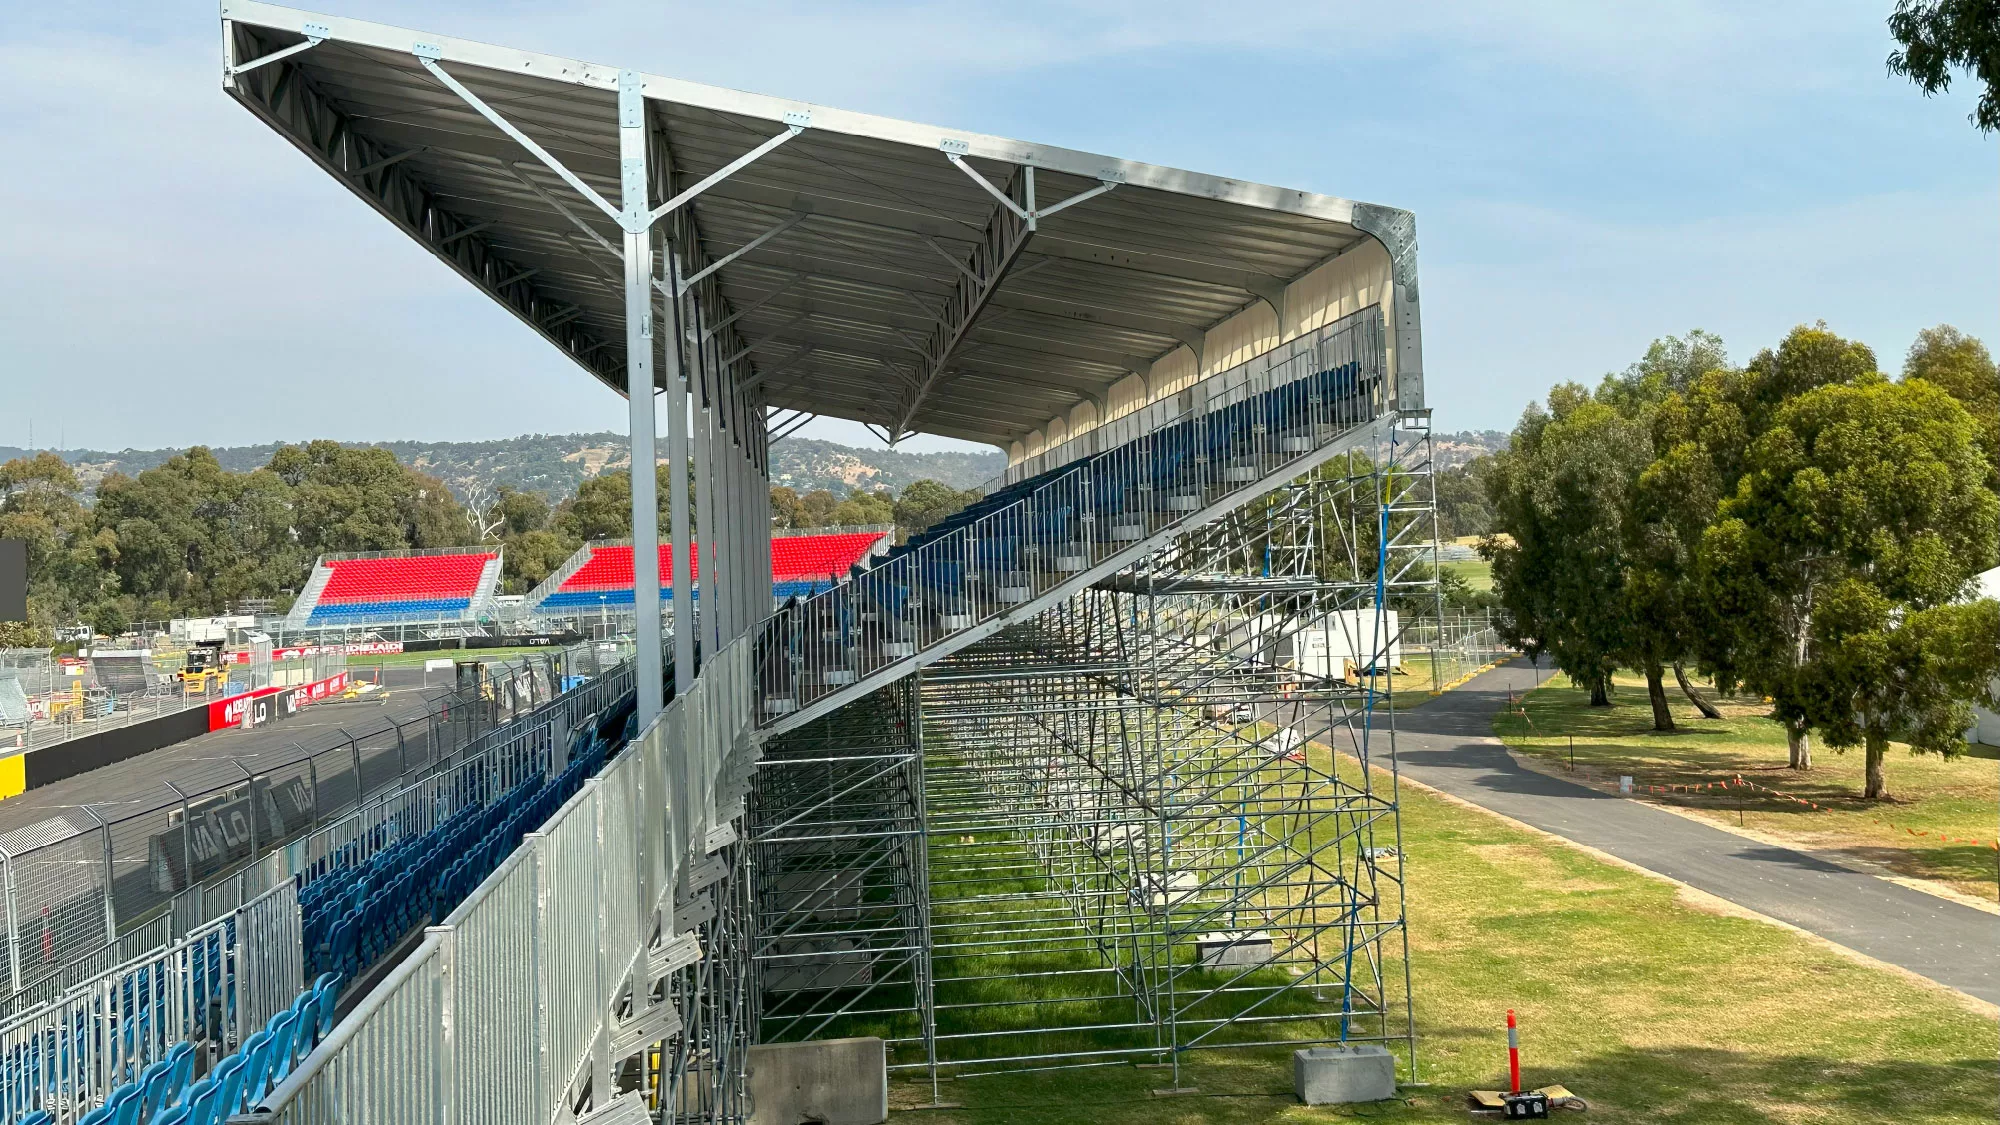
(1114, 483)
(347, 928)
(371, 908)
(41, 1070)
(166, 1094)
(324, 899)
(423, 608)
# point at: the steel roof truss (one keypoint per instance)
(796, 218)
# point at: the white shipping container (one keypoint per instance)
(1345, 644)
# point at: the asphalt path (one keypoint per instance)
(1448, 744)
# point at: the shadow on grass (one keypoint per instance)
(1973, 863)
(1694, 1083)
(1727, 1087)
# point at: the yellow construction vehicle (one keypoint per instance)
(202, 670)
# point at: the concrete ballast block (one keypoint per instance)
(831, 1081)
(1336, 1075)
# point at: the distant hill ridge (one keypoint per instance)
(554, 464)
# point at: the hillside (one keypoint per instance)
(554, 464)
(1458, 448)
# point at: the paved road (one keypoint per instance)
(1448, 744)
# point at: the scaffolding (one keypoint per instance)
(1129, 828)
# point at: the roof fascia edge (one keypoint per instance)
(764, 107)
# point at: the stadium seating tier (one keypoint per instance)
(400, 588)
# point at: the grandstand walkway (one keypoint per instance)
(1448, 744)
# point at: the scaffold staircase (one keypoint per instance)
(1179, 464)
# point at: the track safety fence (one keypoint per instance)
(521, 1003)
(77, 883)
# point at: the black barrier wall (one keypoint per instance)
(81, 755)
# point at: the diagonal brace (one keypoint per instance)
(795, 123)
(1029, 213)
(694, 279)
(315, 35)
(525, 141)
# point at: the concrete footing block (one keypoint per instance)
(1234, 950)
(1336, 1075)
(829, 1082)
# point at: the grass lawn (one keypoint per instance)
(1651, 1008)
(1478, 573)
(1952, 798)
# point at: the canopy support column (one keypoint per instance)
(650, 667)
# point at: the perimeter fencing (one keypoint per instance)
(213, 988)
(88, 885)
(554, 969)
(216, 982)
(44, 702)
(1459, 643)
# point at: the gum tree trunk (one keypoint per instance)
(1656, 691)
(1600, 692)
(1800, 744)
(1874, 789)
(1706, 708)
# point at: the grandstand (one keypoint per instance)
(438, 587)
(598, 577)
(975, 801)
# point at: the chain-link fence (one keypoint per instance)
(47, 699)
(75, 883)
(1450, 648)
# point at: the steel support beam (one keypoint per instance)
(650, 660)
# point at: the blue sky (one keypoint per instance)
(1586, 176)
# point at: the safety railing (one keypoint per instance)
(211, 988)
(536, 985)
(1218, 442)
(257, 961)
(494, 762)
(76, 881)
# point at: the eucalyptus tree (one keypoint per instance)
(1844, 561)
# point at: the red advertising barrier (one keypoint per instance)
(300, 652)
(229, 712)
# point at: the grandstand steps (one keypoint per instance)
(489, 585)
(302, 606)
(836, 657)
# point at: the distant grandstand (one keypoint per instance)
(442, 587)
(598, 577)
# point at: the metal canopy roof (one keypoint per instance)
(862, 272)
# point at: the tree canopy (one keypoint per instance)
(1936, 38)
(188, 537)
(1802, 526)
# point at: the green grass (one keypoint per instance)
(1946, 798)
(1478, 573)
(1650, 1008)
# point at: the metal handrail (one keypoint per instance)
(1217, 444)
